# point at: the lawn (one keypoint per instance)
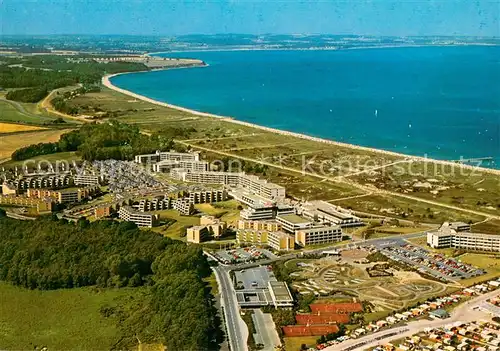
(488, 262)
(9, 113)
(66, 319)
(295, 343)
(176, 230)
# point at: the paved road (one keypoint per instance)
(236, 328)
(266, 329)
(466, 312)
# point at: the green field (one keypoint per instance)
(66, 319)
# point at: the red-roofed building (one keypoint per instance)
(315, 330)
(323, 318)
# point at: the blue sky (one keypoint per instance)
(176, 17)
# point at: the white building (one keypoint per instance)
(445, 238)
(164, 156)
(326, 213)
(127, 213)
(167, 166)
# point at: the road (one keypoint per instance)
(236, 328)
(464, 313)
(266, 329)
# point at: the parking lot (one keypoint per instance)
(437, 265)
(254, 278)
(242, 255)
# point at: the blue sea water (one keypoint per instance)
(443, 102)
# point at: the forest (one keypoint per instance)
(100, 141)
(33, 77)
(174, 306)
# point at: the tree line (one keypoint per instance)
(100, 141)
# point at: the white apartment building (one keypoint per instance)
(170, 156)
(87, 179)
(318, 235)
(439, 240)
(192, 166)
(252, 184)
(326, 213)
(463, 240)
(127, 213)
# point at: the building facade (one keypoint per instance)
(318, 235)
(127, 213)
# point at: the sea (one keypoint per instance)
(440, 102)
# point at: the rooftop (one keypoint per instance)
(293, 218)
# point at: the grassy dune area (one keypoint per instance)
(66, 319)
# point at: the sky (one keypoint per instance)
(178, 17)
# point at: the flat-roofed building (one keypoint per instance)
(102, 211)
(318, 235)
(142, 219)
(197, 234)
(269, 225)
(257, 214)
(207, 196)
(88, 179)
(456, 226)
(64, 195)
(439, 239)
(159, 156)
(188, 165)
(183, 206)
(281, 241)
(476, 242)
(215, 226)
(252, 236)
(41, 205)
(292, 222)
(326, 213)
(445, 238)
(280, 294)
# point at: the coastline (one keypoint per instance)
(333, 48)
(106, 81)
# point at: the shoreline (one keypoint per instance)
(106, 81)
(153, 54)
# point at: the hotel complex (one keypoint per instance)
(449, 238)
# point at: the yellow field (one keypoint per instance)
(10, 143)
(12, 128)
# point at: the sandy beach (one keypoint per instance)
(106, 81)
